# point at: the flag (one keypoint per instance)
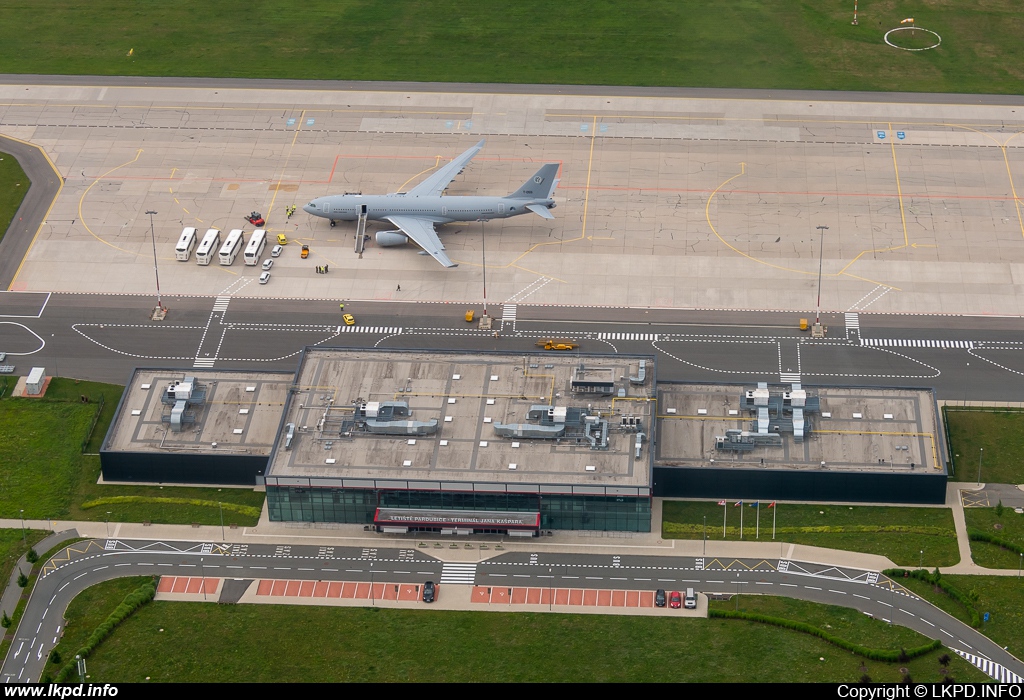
(131, 51)
(721, 503)
(737, 503)
(908, 19)
(772, 504)
(754, 504)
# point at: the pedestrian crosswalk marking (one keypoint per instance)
(918, 343)
(990, 668)
(386, 330)
(627, 336)
(458, 573)
(852, 321)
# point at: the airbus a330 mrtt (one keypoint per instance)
(423, 207)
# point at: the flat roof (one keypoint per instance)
(240, 413)
(877, 430)
(468, 394)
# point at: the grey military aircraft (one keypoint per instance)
(423, 207)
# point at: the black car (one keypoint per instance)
(428, 592)
(659, 597)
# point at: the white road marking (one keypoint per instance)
(945, 632)
(790, 585)
(857, 595)
(813, 588)
(832, 590)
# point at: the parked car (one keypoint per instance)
(429, 592)
(268, 263)
(690, 601)
(675, 600)
(659, 597)
(264, 278)
(276, 251)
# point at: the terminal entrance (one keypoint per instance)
(457, 522)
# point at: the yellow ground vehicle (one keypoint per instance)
(349, 319)
(305, 251)
(557, 344)
(281, 240)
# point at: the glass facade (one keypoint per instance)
(558, 511)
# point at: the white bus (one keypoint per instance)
(232, 245)
(208, 247)
(254, 249)
(186, 244)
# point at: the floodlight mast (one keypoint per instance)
(156, 271)
(821, 252)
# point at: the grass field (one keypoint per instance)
(46, 473)
(1009, 526)
(899, 533)
(329, 644)
(12, 546)
(733, 43)
(13, 186)
(1000, 433)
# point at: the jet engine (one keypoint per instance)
(387, 239)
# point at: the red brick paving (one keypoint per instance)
(500, 595)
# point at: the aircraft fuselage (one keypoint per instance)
(440, 210)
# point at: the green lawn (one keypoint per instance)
(333, 644)
(1009, 526)
(999, 433)
(47, 475)
(13, 186)
(899, 533)
(13, 545)
(733, 43)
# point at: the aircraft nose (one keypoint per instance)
(310, 208)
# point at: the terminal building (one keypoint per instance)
(466, 442)
(403, 441)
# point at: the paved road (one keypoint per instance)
(102, 337)
(46, 183)
(91, 562)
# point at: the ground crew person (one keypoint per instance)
(342, 307)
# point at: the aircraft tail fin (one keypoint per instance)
(540, 186)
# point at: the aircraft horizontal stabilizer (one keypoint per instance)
(541, 210)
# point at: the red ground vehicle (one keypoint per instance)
(675, 600)
(256, 219)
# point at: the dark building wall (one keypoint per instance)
(798, 485)
(240, 470)
(558, 512)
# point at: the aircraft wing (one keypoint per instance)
(423, 234)
(436, 184)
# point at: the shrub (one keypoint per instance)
(32, 557)
(966, 599)
(22, 579)
(5, 621)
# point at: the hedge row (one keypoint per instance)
(866, 652)
(697, 528)
(132, 602)
(977, 536)
(252, 511)
(935, 578)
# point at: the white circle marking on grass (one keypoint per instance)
(938, 39)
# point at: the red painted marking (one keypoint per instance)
(279, 588)
(349, 589)
(306, 589)
(292, 588)
(518, 596)
(362, 591)
(334, 589)
(166, 584)
(180, 584)
(480, 595)
(264, 587)
(561, 596)
(618, 599)
(632, 599)
(320, 590)
(590, 597)
(533, 596)
(194, 585)
(576, 596)
(409, 592)
(646, 599)
(604, 598)
(212, 584)
(499, 595)
(378, 591)
(546, 596)
(389, 592)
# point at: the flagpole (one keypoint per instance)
(725, 516)
(757, 536)
(775, 514)
(741, 520)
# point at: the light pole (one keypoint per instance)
(221, 506)
(373, 600)
(981, 454)
(485, 322)
(156, 271)
(821, 254)
(24, 538)
(1019, 562)
(920, 561)
(705, 535)
(202, 572)
(106, 523)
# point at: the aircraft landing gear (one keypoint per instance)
(333, 223)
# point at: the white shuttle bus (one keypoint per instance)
(208, 247)
(186, 244)
(254, 249)
(232, 245)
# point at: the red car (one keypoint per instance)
(675, 600)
